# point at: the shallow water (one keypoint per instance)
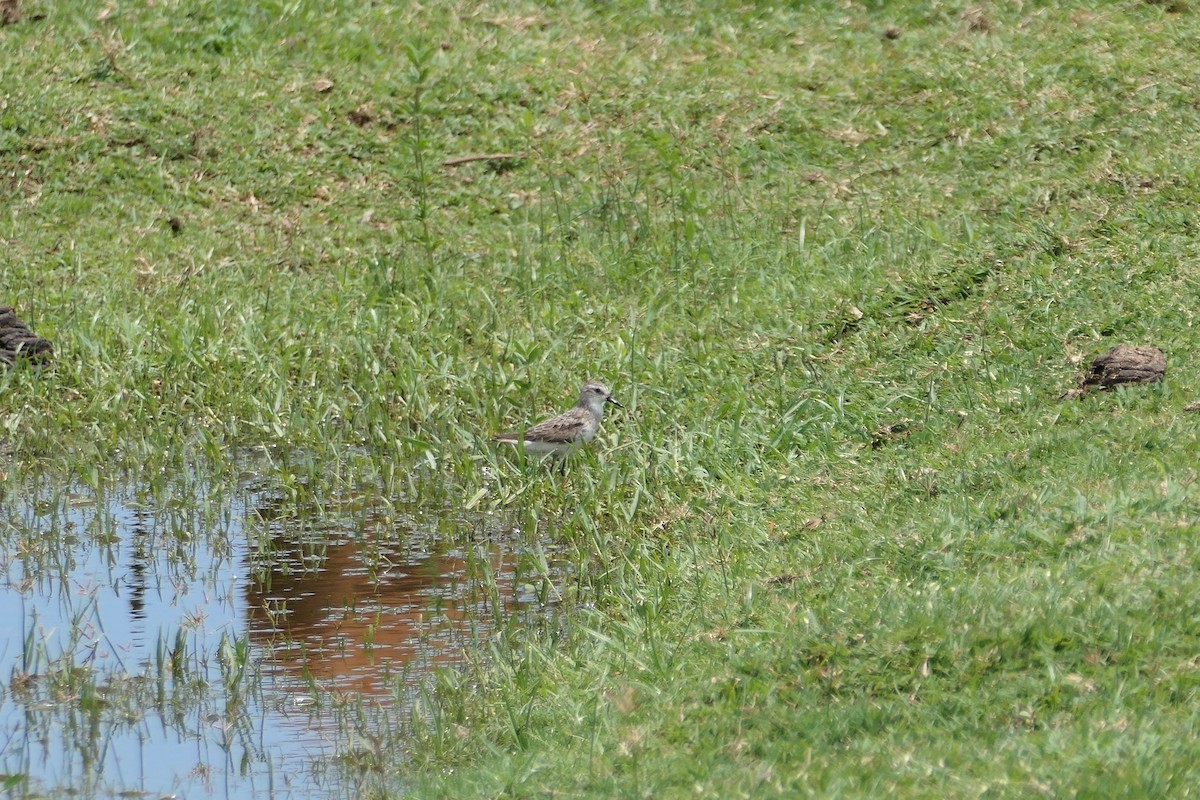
(195, 641)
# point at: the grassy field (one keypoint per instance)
(839, 260)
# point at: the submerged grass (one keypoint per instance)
(839, 260)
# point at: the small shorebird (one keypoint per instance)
(562, 434)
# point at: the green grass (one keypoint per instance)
(847, 540)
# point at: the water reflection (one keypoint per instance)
(180, 640)
(350, 613)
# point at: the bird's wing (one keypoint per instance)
(563, 429)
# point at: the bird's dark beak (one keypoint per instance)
(614, 402)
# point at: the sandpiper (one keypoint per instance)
(562, 434)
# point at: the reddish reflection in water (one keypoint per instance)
(354, 613)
